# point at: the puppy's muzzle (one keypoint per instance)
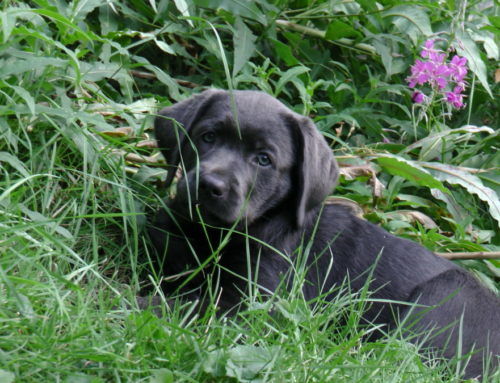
(213, 186)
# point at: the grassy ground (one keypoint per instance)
(79, 84)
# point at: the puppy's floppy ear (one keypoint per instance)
(175, 121)
(317, 170)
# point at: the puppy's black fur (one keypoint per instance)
(253, 166)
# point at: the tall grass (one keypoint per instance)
(79, 82)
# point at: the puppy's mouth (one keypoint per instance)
(213, 214)
(210, 214)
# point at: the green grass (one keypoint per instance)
(73, 207)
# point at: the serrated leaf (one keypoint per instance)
(83, 8)
(410, 171)
(287, 76)
(472, 183)
(244, 45)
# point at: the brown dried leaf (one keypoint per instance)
(125, 131)
(352, 205)
(147, 144)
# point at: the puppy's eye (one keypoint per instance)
(208, 137)
(263, 159)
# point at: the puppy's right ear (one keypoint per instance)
(173, 123)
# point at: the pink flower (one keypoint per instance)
(440, 75)
(454, 99)
(417, 97)
(458, 68)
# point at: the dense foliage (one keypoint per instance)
(79, 84)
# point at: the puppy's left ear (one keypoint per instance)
(174, 123)
(317, 169)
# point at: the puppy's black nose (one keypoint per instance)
(213, 186)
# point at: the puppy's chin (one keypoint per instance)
(208, 213)
(213, 215)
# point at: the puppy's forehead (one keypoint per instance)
(262, 114)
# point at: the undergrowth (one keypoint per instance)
(80, 82)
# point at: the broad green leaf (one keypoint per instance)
(7, 377)
(410, 19)
(457, 211)
(472, 183)
(284, 52)
(8, 23)
(162, 375)
(466, 47)
(64, 21)
(385, 55)
(338, 29)
(18, 66)
(81, 8)
(431, 144)
(489, 44)
(245, 362)
(244, 45)
(247, 9)
(409, 170)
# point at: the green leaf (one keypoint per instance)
(287, 76)
(338, 29)
(247, 9)
(245, 362)
(26, 96)
(8, 22)
(164, 47)
(472, 183)
(14, 162)
(466, 47)
(284, 51)
(385, 55)
(14, 67)
(162, 375)
(183, 8)
(244, 45)
(6, 376)
(409, 170)
(83, 8)
(431, 145)
(410, 19)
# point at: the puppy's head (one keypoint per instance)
(244, 155)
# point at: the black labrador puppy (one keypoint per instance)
(250, 200)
